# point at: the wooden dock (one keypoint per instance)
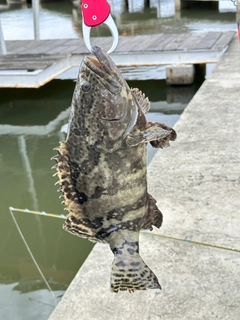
(32, 63)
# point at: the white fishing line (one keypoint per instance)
(11, 209)
(191, 241)
(144, 232)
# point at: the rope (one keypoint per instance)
(29, 251)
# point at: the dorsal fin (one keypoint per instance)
(143, 102)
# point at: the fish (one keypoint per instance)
(102, 168)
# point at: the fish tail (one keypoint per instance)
(129, 272)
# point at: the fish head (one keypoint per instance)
(106, 102)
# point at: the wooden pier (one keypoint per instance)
(32, 63)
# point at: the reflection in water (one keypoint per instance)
(28, 170)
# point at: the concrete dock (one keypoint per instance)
(197, 184)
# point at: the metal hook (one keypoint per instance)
(114, 31)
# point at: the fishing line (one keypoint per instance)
(43, 213)
(30, 252)
(191, 241)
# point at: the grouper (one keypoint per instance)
(102, 168)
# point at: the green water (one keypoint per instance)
(26, 182)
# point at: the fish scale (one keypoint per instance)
(102, 168)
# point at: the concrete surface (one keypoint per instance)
(197, 184)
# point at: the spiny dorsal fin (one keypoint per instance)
(143, 102)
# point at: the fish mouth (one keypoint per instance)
(106, 63)
(106, 70)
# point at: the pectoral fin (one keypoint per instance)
(163, 135)
(158, 134)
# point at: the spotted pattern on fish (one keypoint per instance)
(129, 271)
(102, 168)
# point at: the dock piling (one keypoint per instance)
(180, 74)
(35, 6)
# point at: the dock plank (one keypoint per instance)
(160, 42)
(28, 62)
(64, 47)
(175, 43)
(51, 47)
(148, 43)
(136, 43)
(144, 43)
(123, 43)
(191, 42)
(157, 49)
(160, 46)
(208, 40)
(19, 46)
(81, 48)
(43, 46)
(224, 40)
(152, 40)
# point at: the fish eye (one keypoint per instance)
(86, 86)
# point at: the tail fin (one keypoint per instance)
(131, 273)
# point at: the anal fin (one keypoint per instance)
(153, 216)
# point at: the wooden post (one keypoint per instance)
(238, 7)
